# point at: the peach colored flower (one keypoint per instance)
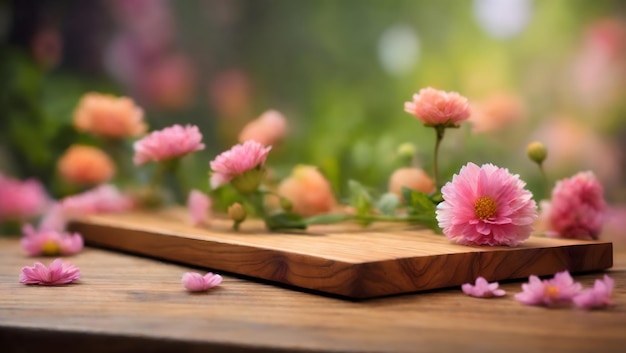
(486, 206)
(308, 190)
(240, 159)
(21, 200)
(169, 83)
(57, 273)
(195, 282)
(434, 107)
(412, 178)
(172, 142)
(577, 208)
(559, 290)
(50, 242)
(86, 165)
(268, 129)
(199, 206)
(482, 289)
(597, 297)
(108, 116)
(497, 112)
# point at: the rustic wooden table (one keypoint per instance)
(125, 303)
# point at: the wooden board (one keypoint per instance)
(345, 260)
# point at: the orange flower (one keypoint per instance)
(497, 112)
(412, 178)
(308, 190)
(268, 129)
(86, 165)
(108, 116)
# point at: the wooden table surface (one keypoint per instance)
(125, 303)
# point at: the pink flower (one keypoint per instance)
(195, 282)
(577, 209)
(557, 291)
(434, 107)
(597, 297)
(199, 205)
(240, 159)
(50, 242)
(172, 142)
(58, 273)
(21, 200)
(486, 206)
(483, 289)
(268, 129)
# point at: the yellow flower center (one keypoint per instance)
(50, 248)
(485, 208)
(551, 291)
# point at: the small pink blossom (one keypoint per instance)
(199, 206)
(268, 129)
(434, 107)
(57, 273)
(577, 208)
(50, 242)
(195, 282)
(172, 142)
(21, 200)
(238, 160)
(559, 290)
(597, 297)
(486, 206)
(482, 289)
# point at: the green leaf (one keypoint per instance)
(388, 203)
(328, 218)
(421, 208)
(284, 220)
(360, 198)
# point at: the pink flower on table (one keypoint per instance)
(50, 242)
(21, 200)
(246, 158)
(268, 129)
(199, 206)
(482, 289)
(597, 297)
(172, 142)
(559, 290)
(57, 273)
(577, 208)
(195, 282)
(434, 107)
(486, 206)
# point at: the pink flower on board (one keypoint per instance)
(597, 297)
(247, 157)
(482, 289)
(199, 206)
(50, 242)
(268, 129)
(559, 290)
(172, 142)
(434, 107)
(21, 200)
(577, 208)
(486, 206)
(195, 282)
(57, 273)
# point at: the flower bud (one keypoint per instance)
(237, 213)
(537, 152)
(406, 150)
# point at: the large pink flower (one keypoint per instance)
(50, 242)
(240, 159)
(21, 200)
(559, 290)
(57, 273)
(577, 209)
(172, 142)
(486, 206)
(434, 107)
(597, 297)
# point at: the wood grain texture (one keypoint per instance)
(131, 304)
(344, 260)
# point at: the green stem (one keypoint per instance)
(440, 131)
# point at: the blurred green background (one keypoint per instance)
(340, 71)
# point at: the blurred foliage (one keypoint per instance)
(319, 63)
